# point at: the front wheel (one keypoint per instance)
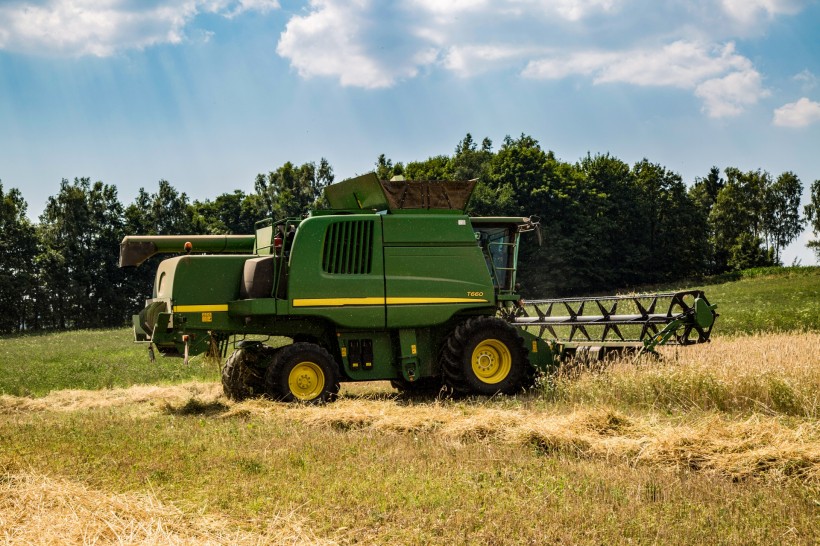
(485, 355)
(303, 372)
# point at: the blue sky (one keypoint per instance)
(207, 93)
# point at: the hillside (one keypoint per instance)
(767, 300)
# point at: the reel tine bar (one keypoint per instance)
(633, 326)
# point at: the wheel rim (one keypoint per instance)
(491, 361)
(306, 380)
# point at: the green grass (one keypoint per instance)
(767, 300)
(34, 365)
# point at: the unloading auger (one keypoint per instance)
(597, 326)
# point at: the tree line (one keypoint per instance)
(606, 225)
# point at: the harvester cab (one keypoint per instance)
(393, 282)
(499, 240)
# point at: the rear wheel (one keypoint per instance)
(303, 372)
(485, 355)
(241, 378)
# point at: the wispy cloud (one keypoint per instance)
(572, 10)
(471, 59)
(752, 12)
(802, 113)
(731, 94)
(679, 64)
(806, 79)
(724, 80)
(104, 27)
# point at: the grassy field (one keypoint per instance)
(35, 365)
(714, 444)
(768, 300)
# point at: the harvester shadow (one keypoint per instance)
(195, 406)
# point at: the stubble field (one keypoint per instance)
(714, 444)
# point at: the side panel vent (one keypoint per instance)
(348, 248)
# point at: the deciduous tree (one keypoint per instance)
(18, 249)
(782, 222)
(80, 230)
(812, 212)
(291, 191)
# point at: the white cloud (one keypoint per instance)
(349, 41)
(571, 10)
(453, 7)
(470, 60)
(559, 65)
(103, 27)
(750, 12)
(679, 64)
(724, 80)
(366, 44)
(729, 95)
(325, 42)
(802, 113)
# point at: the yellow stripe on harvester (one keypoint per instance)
(422, 301)
(336, 302)
(200, 308)
(340, 302)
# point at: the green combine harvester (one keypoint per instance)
(394, 282)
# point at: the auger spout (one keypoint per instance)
(135, 249)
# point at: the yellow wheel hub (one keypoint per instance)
(306, 380)
(491, 361)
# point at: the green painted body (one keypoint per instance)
(380, 281)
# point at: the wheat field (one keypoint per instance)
(711, 444)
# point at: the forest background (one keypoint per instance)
(607, 225)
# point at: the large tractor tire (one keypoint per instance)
(303, 372)
(485, 355)
(241, 378)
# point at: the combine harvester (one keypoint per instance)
(395, 282)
